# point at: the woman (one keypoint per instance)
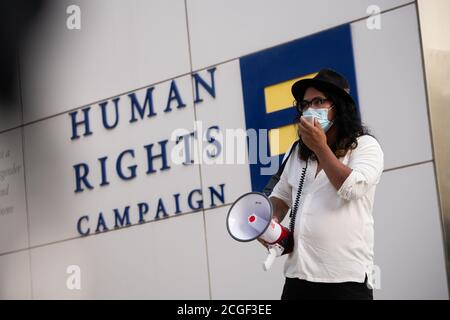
(341, 165)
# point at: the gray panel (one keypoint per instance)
(408, 242)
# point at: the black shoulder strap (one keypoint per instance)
(283, 164)
(276, 177)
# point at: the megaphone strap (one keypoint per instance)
(294, 209)
(276, 177)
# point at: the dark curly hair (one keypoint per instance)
(348, 127)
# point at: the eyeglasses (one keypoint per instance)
(316, 102)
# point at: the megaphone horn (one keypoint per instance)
(250, 204)
(250, 217)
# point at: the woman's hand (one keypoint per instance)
(265, 244)
(312, 135)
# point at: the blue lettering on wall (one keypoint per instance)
(132, 169)
(81, 172)
(210, 88)
(162, 155)
(105, 181)
(199, 202)
(136, 214)
(212, 140)
(174, 95)
(101, 224)
(177, 203)
(214, 193)
(137, 107)
(187, 147)
(160, 209)
(88, 175)
(142, 209)
(103, 106)
(80, 231)
(120, 220)
(84, 122)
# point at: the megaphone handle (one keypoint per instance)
(270, 259)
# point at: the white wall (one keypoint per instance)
(123, 47)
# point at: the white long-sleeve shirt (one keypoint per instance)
(334, 229)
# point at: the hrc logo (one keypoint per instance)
(267, 77)
(278, 97)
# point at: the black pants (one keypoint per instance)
(297, 289)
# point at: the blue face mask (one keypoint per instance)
(321, 115)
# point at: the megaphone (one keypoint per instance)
(250, 217)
